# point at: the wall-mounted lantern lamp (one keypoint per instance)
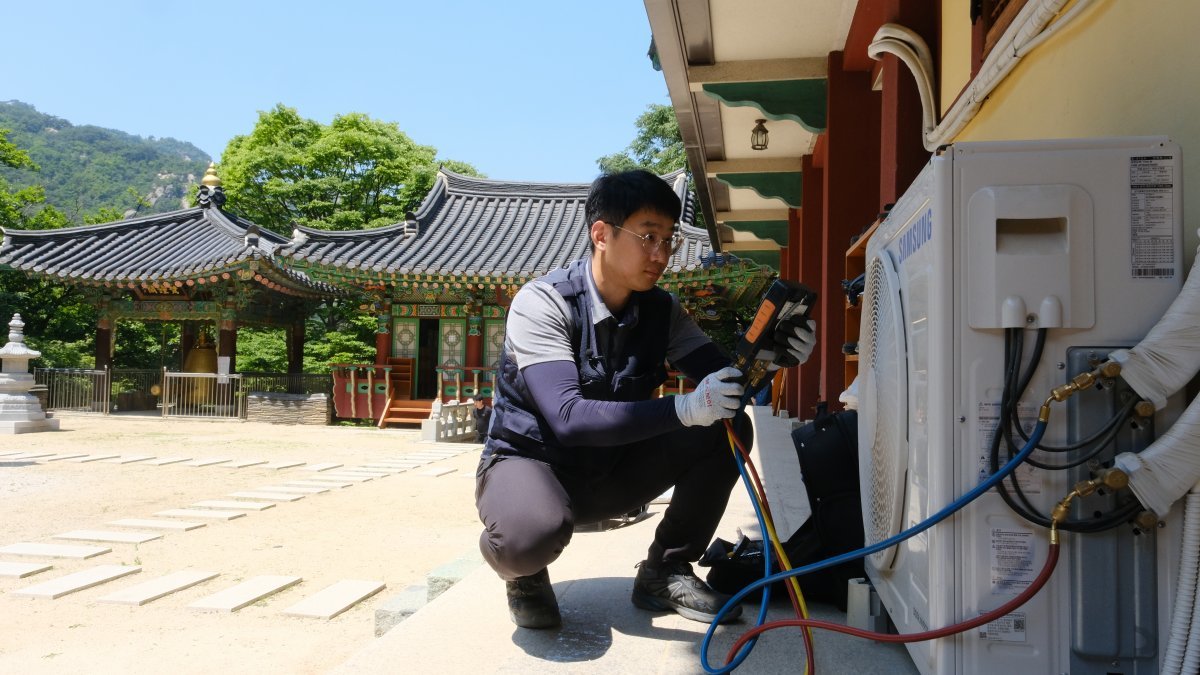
(758, 137)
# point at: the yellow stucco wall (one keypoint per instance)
(1122, 68)
(955, 67)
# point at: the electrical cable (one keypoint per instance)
(948, 510)
(1016, 499)
(1029, 592)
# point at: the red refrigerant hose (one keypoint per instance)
(1042, 578)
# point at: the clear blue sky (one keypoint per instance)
(522, 89)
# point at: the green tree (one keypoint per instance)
(658, 146)
(356, 172)
(24, 208)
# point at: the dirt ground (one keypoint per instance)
(394, 529)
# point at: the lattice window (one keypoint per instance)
(493, 342)
(454, 343)
(404, 337)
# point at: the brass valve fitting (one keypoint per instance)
(1143, 409)
(1146, 520)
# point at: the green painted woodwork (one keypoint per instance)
(785, 185)
(164, 310)
(775, 230)
(801, 101)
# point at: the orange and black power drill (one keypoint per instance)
(783, 300)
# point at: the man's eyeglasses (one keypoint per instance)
(652, 242)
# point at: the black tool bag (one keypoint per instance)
(828, 452)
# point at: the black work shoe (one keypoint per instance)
(672, 585)
(531, 602)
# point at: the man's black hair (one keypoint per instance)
(615, 197)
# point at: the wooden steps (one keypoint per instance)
(406, 412)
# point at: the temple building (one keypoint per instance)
(438, 284)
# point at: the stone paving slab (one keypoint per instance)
(207, 461)
(157, 588)
(71, 583)
(67, 455)
(342, 477)
(281, 464)
(366, 471)
(110, 537)
(179, 525)
(321, 467)
(335, 599)
(28, 455)
(277, 496)
(92, 458)
(299, 488)
(6, 453)
(232, 504)
(243, 463)
(393, 466)
(168, 460)
(54, 550)
(436, 473)
(318, 484)
(250, 591)
(200, 513)
(21, 570)
(128, 460)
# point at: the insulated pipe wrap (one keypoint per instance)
(1167, 469)
(1185, 591)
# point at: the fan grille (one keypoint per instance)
(885, 390)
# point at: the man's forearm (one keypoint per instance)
(578, 421)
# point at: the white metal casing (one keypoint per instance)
(1057, 234)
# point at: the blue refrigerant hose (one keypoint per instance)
(971, 495)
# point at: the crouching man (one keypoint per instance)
(576, 436)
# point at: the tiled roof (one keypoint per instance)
(174, 246)
(480, 227)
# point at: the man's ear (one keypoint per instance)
(599, 235)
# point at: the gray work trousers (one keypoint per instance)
(529, 508)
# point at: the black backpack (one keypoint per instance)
(828, 451)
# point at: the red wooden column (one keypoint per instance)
(805, 236)
(295, 347)
(851, 201)
(383, 336)
(227, 341)
(474, 342)
(104, 344)
(187, 340)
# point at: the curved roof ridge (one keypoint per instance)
(459, 184)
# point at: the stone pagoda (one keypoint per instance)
(20, 411)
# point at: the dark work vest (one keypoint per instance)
(630, 375)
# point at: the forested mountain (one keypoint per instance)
(84, 168)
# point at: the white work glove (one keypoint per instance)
(716, 398)
(794, 341)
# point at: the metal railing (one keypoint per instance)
(289, 383)
(75, 389)
(135, 388)
(203, 395)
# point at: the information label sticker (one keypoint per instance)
(1012, 561)
(1152, 216)
(1008, 628)
(987, 418)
